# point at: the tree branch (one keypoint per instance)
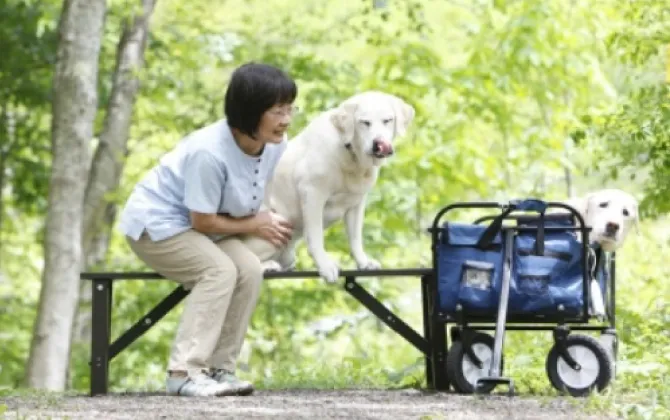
(108, 161)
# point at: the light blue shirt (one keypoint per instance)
(206, 172)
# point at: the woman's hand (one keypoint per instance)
(273, 227)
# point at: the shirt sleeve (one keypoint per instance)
(204, 179)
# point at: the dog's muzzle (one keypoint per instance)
(381, 148)
(611, 229)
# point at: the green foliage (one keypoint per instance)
(633, 134)
(509, 96)
(640, 134)
(25, 83)
(30, 41)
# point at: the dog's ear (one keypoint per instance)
(404, 114)
(343, 119)
(581, 204)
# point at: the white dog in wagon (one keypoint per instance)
(610, 213)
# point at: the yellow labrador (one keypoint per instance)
(610, 213)
(325, 175)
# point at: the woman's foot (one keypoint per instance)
(223, 376)
(197, 385)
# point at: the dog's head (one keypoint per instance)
(610, 213)
(369, 122)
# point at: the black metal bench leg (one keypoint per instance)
(147, 321)
(427, 332)
(438, 340)
(385, 315)
(100, 335)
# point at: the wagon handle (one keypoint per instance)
(496, 225)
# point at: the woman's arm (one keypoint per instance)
(266, 224)
(219, 224)
(204, 180)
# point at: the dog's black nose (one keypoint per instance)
(381, 147)
(611, 228)
(376, 148)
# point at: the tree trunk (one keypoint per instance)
(74, 107)
(7, 144)
(6, 138)
(570, 191)
(110, 154)
(109, 159)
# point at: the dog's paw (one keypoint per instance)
(328, 270)
(367, 263)
(598, 312)
(287, 260)
(270, 266)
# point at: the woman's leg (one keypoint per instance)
(242, 304)
(193, 260)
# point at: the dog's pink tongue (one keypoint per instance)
(384, 148)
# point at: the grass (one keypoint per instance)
(345, 375)
(40, 399)
(629, 395)
(632, 395)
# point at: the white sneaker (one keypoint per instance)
(198, 385)
(223, 376)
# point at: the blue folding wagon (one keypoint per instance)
(524, 267)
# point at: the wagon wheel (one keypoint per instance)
(462, 370)
(594, 370)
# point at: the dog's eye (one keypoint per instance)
(604, 204)
(366, 123)
(626, 212)
(388, 120)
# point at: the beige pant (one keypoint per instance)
(224, 278)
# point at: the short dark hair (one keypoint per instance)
(253, 89)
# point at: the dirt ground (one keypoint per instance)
(297, 404)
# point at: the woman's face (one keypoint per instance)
(274, 123)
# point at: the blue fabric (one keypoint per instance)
(455, 250)
(530, 204)
(539, 283)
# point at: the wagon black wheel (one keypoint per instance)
(462, 370)
(595, 370)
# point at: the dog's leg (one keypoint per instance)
(287, 260)
(312, 202)
(270, 266)
(286, 257)
(265, 251)
(597, 300)
(353, 220)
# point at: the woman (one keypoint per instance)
(182, 218)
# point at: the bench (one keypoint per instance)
(432, 343)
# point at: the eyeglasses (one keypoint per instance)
(282, 112)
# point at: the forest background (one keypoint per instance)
(514, 99)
